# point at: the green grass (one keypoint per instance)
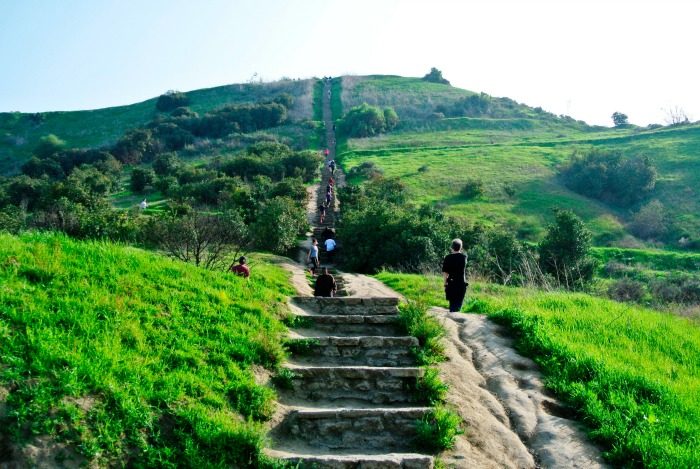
(135, 359)
(632, 374)
(19, 133)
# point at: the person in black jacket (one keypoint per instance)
(454, 271)
(325, 284)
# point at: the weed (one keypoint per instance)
(438, 430)
(431, 387)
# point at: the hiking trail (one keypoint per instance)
(351, 399)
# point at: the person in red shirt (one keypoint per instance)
(241, 269)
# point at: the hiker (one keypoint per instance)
(330, 248)
(329, 188)
(331, 181)
(328, 199)
(331, 165)
(326, 152)
(454, 268)
(143, 205)
(325, 284)
(312, 257)
(241, 269)
(322, 213)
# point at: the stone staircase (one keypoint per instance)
(352, 399)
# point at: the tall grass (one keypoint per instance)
(134, 359)
(632, 374)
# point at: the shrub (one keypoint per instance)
(415, 321)
(472, 189)
(140, 178)
(277, 225)
(49, 145)
(608, 176)
(627, 290)
(172, 100)
(366, 121)
(431, 388)
(367, 170)
(565, 251)
(435, 76)
(650, 222)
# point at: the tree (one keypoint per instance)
(650, 222)
(205, 239)
(619, 119)
(564, 252)
(140, 178)
(48, 146)
(277, 225)
(676, 116)
(366, 121)
(172, 100)
(435, 76)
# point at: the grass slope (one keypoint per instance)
(132, 358)
(518, 153)
(20, 132)
(631, 374)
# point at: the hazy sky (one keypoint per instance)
(582, 58)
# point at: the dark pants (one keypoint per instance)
(454, 293)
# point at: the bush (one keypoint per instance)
(565, 251)
(472, 189)
(650, 222)
(415, 321)
(140, 178)
(172, 100)
(435, 76)
(366, 121)
(277, 225)
(366, 170)
(48, 146)
(608, 176)
(627, 290)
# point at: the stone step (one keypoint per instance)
(355, 461)
(349, 305)
(386, 429)
(358, 350)
(374, 385)
(346, 324)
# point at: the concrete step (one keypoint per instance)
(358, 350)
(350, 305)
(388, 429)
(355, 461)
(352, 325)
(374, 385)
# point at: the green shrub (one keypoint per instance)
(415, 321)
(431, 387)
(435, 76)
(366, 121)
(172, 100)
(472, 189)
(626, 289)
(140, 178)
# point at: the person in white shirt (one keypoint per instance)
(143, 205)
(330, 248)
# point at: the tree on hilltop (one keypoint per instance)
(619, 119)
(435, 76)
(172, 100)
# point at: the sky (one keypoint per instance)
(586, 59)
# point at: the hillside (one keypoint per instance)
(111, 355)
(515, 150)
(20, 132)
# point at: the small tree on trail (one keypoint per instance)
(619, 119)
(140, 178)
(564, 252)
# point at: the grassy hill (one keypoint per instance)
(515, 150)
(630, 373)
(122, 357)
(20, 132)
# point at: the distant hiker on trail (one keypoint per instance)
(329, 196)
(326, 152)
(330, 248)
(331, 181)
(312, 257)
(322, 213)
(454, 268)
(143, 205)
(329, 188)
(325, 284)
(241, 269)
(331, 166)
(328, 233)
